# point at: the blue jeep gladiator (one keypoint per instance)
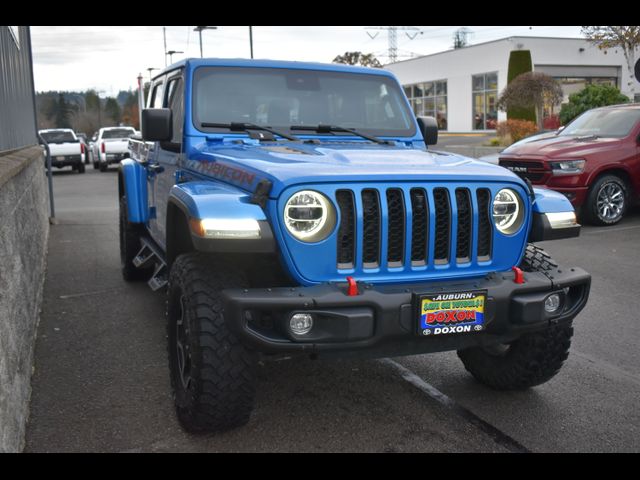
(295, 208)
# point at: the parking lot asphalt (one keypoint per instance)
(101, 383)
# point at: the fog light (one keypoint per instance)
(301, 323)
(552, 303)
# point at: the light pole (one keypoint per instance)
(170, 53)
(151, 69)
(251, 40)
(199, 30)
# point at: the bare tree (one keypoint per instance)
(358, 58)
(625, 38)
(531, 89)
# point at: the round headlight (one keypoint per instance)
(508, 211)
(309, 216)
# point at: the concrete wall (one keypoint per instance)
(24, 231)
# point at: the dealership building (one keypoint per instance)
(460, 87)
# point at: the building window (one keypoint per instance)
(485, 99)
(429, 99)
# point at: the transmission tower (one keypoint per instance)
(392, 37)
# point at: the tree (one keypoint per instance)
(112, 109)
(358, 58)
(460, 38)
(59, 111)
(519, 63)
(625, 38)
(531, 90)
(591, 96)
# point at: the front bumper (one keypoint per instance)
(382, 320)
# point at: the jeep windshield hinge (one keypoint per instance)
(261, 194)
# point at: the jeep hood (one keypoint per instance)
(290, 163)
(561, 147)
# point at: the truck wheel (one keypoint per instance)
(96, 165)
(607, 201)
(212, 373)
(130, 245)
(104, 167)
(530, 360)
(81, 167)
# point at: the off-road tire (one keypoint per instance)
(590, 208)
(213, 380)
(537, 260)
(532, 359)
(130, 245)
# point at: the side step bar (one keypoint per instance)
(148, 256)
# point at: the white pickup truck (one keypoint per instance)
(65, 147)
(111, 146)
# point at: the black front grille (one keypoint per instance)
(396, 219)
(485, 230)
(463, 239)
(346, 229)
(443, 225)
(420, 230)
(371, 228)
(531, 170)
(409, 216)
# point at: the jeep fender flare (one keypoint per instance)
(199, 200)
(542, 226)
(132, 183)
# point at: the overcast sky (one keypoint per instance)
(109, 59)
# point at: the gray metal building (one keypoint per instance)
(17, 109)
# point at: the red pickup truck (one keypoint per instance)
(594, 161)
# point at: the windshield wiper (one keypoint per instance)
(334, 128)
(244, 127)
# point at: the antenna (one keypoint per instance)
(392, 37)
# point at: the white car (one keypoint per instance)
(65, 148)
(111, 146)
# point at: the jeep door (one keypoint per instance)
(167, 156)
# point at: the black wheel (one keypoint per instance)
(81, 167)
(104, 167)
(212, 373)
(130, 245)
(96, 165)
(532, 359)
(607, 200)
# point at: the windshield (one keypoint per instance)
(58, 136)
(603, 123)
(281, 98)
(118, 133)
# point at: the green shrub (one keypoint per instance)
(591, 96)
(519, 63)
(515, 130)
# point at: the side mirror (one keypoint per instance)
(429, 129)
(156, 124)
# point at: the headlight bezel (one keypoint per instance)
(567, 166)
(326, 223)
(516, 222)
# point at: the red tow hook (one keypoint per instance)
(352, 289)
(518, 275)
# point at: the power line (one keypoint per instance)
(392, 37)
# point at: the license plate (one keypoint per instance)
(60, 158)
(451, 313)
